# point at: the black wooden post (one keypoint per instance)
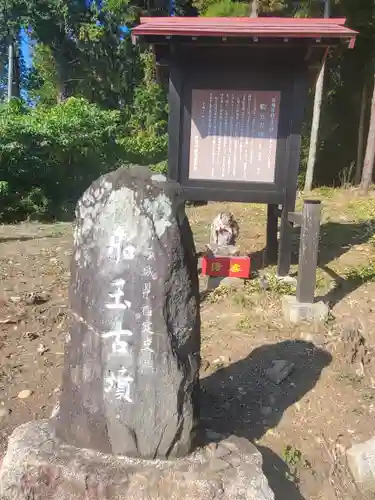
(272, 226)
(174, 117)
(294, 143)
(308, 251)
(285, 242)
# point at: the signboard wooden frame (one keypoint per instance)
(285, 71)
(242, 54)
(198, 189)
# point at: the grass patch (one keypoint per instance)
(369, 396)
(294, 459)
(269, 284)
(361, 210)
(245, 323)
(256, 291)
(243, 300)
(350, 379)
(325, 192)
(220, 293)
(362, 273)
(323, 281)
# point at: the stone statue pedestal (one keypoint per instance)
(38, 465)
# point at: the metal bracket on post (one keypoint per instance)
(308, 251)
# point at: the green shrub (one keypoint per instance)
(161, 167)
(227, 8)
(50, 155)
(144, 149)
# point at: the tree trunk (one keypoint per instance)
(254, 8)
(316, 116)
(16, 71)
(62, 71)
(361, 134)
(62, 91)
(368, 165)
(315, 128)
(10, 70)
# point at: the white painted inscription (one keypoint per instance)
(121, 383)
(119, 346)
(147, 311)
(147, 352)
(148, 272)
(118, 248)
(117, 296)
(146, 290)
(151, 255)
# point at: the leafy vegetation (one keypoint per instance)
(293, 458)
(50, 154)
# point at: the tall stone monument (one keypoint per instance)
(126, 423)
(130, 381)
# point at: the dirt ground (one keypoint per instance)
(303, 425)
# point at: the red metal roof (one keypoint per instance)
(261, 27)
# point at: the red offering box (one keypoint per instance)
(234, 267)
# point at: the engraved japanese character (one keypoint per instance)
(147, 345)
(146, 290)
(117, 296)
(121, 383)
(147, 327)
(149, 272)
(117, 248)
(119, 346)
(123, 390)
(147, 311)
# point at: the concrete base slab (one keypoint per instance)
(39, 466)
(295, 311)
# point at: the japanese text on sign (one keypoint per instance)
(234, 135)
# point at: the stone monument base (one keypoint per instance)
(40, 467)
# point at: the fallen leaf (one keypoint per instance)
(24, 394)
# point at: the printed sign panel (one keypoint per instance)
(234, 135)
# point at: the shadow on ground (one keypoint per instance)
(335, 240)
(17, 238)
(338, 238)
(8, 239)
(343, 286)
(240, 400)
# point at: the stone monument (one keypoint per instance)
(130, 382)
(125, 427)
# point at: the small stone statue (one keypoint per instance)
(224, 230)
